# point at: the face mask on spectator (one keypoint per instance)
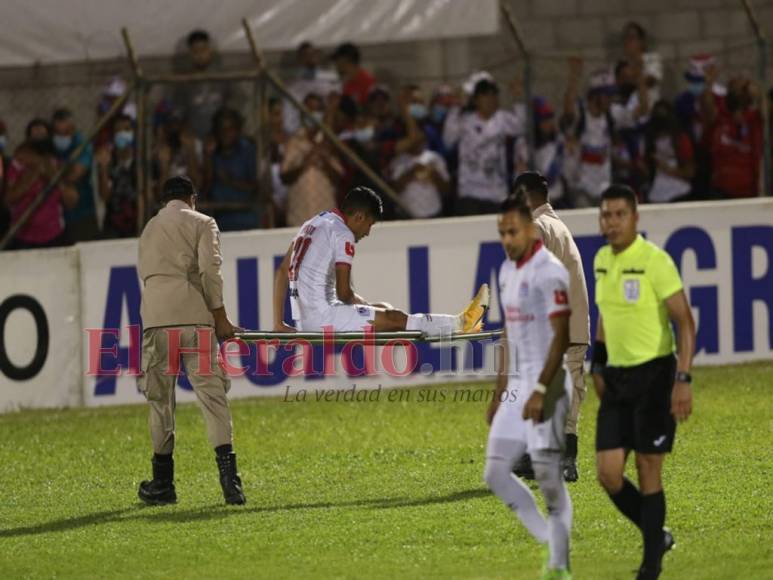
(3, 142)
(62, 142)
(697, 87)
(123, 139)
(438, 113)
(417, 110)
(364, 135)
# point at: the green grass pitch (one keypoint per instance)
(379, 490)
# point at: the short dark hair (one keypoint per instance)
(61, 114)
(179, 187)
(122, 117)
(636, 27)
(197, 35)
(226, 114)
(363, 199)
(620, 191)
(347, 51)
(531, 183)
(516, 203)
(34, 123)
(485, 87)
(303, 46)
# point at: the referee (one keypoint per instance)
(644, 390)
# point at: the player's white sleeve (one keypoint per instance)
(555, 292)
(343, 248)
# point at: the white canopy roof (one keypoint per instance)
(57, 31)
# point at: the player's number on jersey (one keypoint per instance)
(299, 251)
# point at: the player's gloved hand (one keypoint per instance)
(681, 401)
(533, 407)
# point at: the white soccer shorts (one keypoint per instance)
(508, 423)
(342, 317)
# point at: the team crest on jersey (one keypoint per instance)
(631, 290)
(349, 249)
(363, 310)
(523, 289)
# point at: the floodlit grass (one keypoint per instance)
(379, 489)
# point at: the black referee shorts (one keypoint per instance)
(635, 411)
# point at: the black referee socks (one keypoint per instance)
(653, 516)
(629, 501)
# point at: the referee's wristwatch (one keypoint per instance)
(682, 377)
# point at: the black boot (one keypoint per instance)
(159, 491)
(569, 460)
(229, 479)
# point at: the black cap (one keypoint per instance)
(180, 187)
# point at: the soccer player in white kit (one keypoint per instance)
(533, 393)
(317, 269)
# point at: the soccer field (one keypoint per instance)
(367, 489)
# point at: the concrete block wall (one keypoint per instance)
(553, 29)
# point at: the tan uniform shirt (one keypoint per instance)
(179, 264)
(558, 239)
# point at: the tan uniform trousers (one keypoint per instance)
(158, 385)
(575, 359)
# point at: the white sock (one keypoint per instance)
(434, 324)
(547, 470)
(512, 491)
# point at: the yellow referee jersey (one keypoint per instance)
(631, 289)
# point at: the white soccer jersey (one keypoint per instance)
(482, 152)
(322, 242)
(595, 163)
(532, 292)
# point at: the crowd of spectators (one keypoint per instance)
(452, 151)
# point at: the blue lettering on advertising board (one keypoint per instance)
(748, 287)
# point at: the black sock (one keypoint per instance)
(158, 458)
(653, 516)
(224, 449)
(629, 501)
(571, 446)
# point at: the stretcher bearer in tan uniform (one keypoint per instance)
(182, 311)
(558, 239)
